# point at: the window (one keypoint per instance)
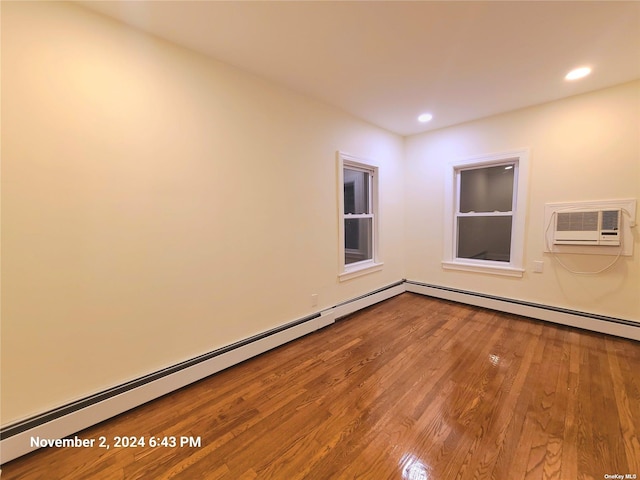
(358, 186)
(485, 214)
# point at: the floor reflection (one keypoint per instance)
(494, 359)
(413, 468)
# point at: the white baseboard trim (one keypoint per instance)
(15, 440)
(585, 321)
(367, 300)
(19, 444)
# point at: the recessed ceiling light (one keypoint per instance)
(577, 73)
(425, 117)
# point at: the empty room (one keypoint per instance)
(320, 240)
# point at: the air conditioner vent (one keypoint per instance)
(610, 219)
(577, 222)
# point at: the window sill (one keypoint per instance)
(354, 271)
(478, 268)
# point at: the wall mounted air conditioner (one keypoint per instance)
(588, 227)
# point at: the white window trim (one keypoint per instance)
(374, 264)
(515, 267)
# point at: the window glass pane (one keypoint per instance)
(487, 189)
(357, 240)
(485, 238)
(356, 191)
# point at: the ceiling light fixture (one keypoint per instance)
(577, 73)
(425, 117)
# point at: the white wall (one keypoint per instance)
(157, 205)
(585, 147)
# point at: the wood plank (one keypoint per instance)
(413, 387)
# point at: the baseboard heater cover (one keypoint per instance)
(358, 303)
(76, 416)
(564, 316)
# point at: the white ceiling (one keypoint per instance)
(387, 62)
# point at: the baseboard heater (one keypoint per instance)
(587, 321)
(76, 416)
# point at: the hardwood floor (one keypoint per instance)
(413, 388)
